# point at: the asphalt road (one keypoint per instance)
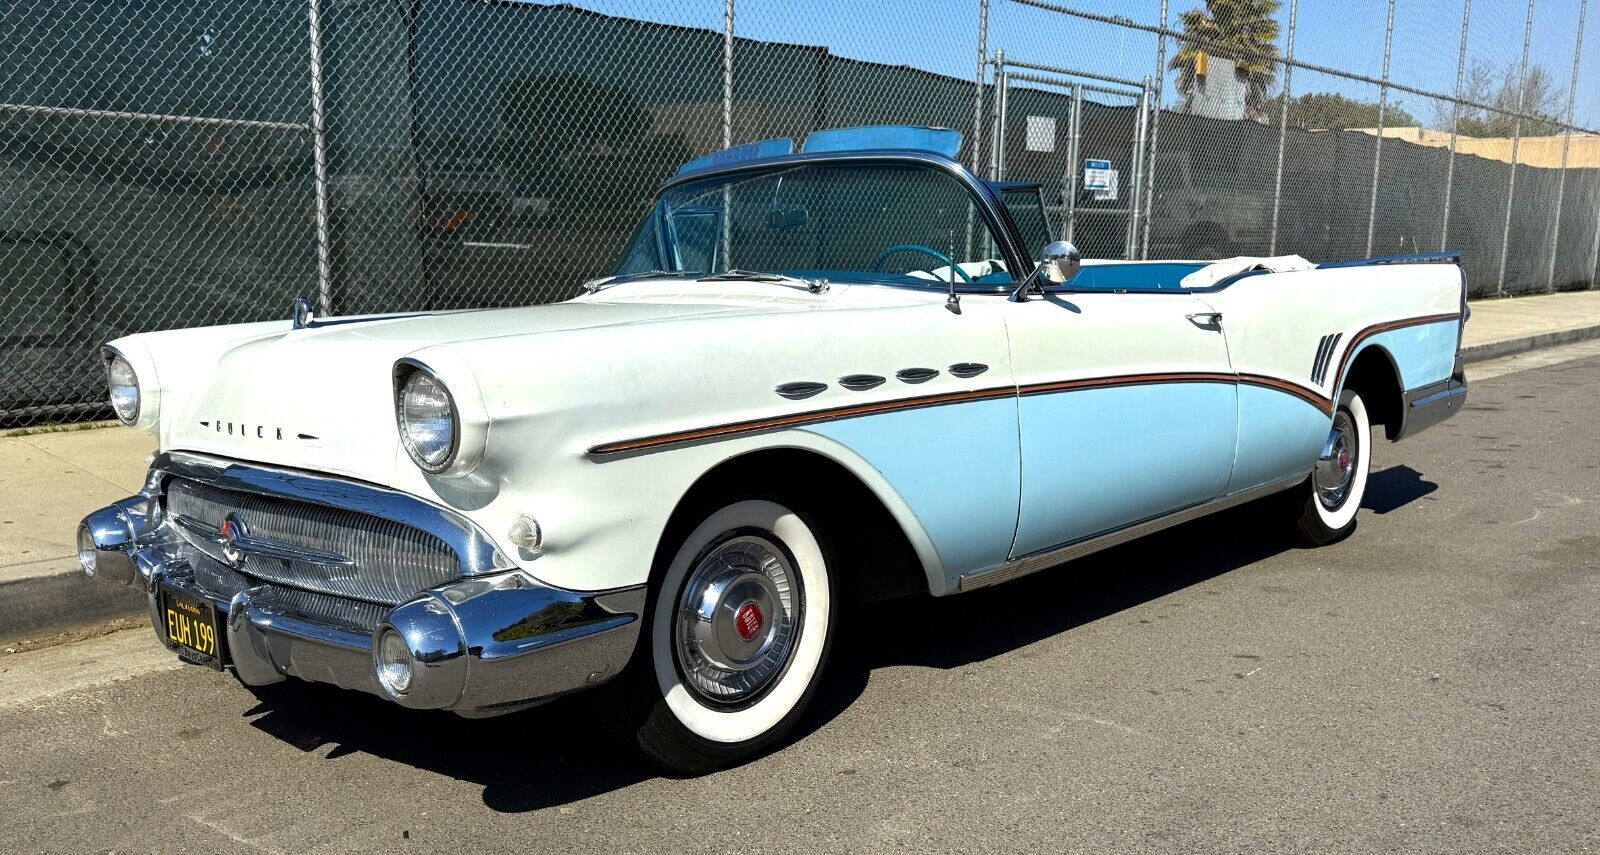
(1430, 684)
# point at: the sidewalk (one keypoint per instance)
(1515, 324)
(48, 481)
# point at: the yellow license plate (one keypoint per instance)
(189, 624)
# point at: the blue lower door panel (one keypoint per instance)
(1099, 459)
(1280, 436)
(956, 467)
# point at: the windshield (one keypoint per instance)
(865, 222)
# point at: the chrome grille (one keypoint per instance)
(320, 609)
(389, 561)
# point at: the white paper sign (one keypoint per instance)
(1041, 133)
(1108, 192)
(1097, 174)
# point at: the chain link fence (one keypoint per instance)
(199, 162)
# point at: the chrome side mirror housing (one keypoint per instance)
(1059, 262)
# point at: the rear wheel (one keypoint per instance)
(740, 624)
(1328, 502)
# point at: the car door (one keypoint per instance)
(1127, 406)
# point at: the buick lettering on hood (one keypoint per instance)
(836, 374)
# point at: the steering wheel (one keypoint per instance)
(917, 247)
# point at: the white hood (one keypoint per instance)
(322, 397)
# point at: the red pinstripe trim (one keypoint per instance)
(797, 419)
(1304, 393)
(723, 431)
(1126, 380)
(1368, 332)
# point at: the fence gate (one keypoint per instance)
(1083, 138)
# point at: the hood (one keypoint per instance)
(322, 397)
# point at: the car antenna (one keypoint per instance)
(953, 301)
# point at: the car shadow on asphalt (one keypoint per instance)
(1394, 488)
(557, 754)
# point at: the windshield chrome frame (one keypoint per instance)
(1008, 238)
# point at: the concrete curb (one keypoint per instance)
(38, 605)
(1511, 346)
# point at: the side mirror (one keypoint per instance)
(1059, 262)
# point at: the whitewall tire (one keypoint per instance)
(740, 623)
(1338, 483)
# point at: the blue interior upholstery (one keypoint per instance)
(1159, 275)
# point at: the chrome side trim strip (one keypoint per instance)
(1436, 397)
(722, 431)
(1037, 561)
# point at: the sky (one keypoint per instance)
(941, 35)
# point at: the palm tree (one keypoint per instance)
(1241, 33)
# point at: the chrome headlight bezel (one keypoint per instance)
(404, 372)
(112, 358)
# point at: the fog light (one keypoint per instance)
(86, 550)
(394, 663)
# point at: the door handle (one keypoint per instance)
(1206, 319)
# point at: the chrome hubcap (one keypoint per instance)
(737, 618)
(1336, 466)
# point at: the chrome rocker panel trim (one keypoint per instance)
(1430, 405)
(481, 645)
(1048, 558)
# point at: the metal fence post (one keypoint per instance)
(983, 62)
(1594, 251)
(727, 128)
(995, 131)
(1074, 150)
(727, 73)
(1130, 248)
(1377, 149)
(1283, 128)
(1155, 134)
(1455, 124)
(1000, 123)
(319, 162)
(1566, 144)
(1516, 142)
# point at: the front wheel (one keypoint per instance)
(739, 628)
(1328, 503)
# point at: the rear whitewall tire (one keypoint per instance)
(1321, 522)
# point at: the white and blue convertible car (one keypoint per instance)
(842, 373)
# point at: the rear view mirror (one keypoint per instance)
(1059, 262)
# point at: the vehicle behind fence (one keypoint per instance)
(208, 161)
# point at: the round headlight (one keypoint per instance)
(427, 416)
(124, 386)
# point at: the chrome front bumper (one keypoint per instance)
(481, 645)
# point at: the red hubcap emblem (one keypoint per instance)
(1344, 458)
(747, 620)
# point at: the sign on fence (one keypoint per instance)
(1098, 174)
